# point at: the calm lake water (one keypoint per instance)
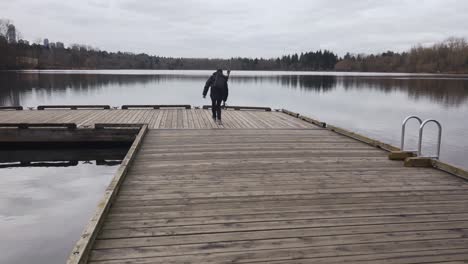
(45, 205)
(371, 104)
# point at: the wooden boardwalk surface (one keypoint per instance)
(269, 188)
(157, 119)
(280, 196)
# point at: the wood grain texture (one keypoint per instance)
(267, 187)
(157, 118)
(299, 195)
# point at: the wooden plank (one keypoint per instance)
(156, 119)
(169, 119)
(174, 119)
(321, 237)
(459, 172)
(78, 115)
(234, 119)
(245, 120)
(207, 121)
(279, 179)
(82, 248)
(139, 115)
(228, 120)
(108, 117)
(256, 251)
(185, 122)
(124, 116)
(199, 121)
(332, 216)
(268, 241)
(272, 220)
(163, 122)
(54, 117)
(142, 116)
(231, 119)
(94, 118)
(142, 214)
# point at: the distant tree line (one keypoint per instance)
(16, 53)
(37, 56)
(450, 56)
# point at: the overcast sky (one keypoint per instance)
(250, 28)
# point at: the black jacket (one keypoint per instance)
(220, 91)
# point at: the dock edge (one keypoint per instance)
(435, 163)
(80, 252)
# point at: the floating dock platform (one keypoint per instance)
(265, 187)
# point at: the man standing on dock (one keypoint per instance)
(219, 92)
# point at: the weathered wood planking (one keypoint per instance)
(157, 118)
(299, 195)
(265, 187)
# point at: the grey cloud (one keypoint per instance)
(214, 28)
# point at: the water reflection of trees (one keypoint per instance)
(303, 82)
(14, 85)
(446, 91)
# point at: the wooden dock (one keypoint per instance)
(266, 187)
(157, 119)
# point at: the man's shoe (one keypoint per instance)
(220, 122)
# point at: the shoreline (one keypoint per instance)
(245, 72)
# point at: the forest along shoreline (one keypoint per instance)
(449, 56)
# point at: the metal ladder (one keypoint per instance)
(422, 124)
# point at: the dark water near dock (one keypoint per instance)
(45, 204)
(372, 104)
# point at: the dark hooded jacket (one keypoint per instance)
(219, 86)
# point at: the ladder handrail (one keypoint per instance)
(403, 128)
(421, 129)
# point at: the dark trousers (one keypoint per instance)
(216, 108)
